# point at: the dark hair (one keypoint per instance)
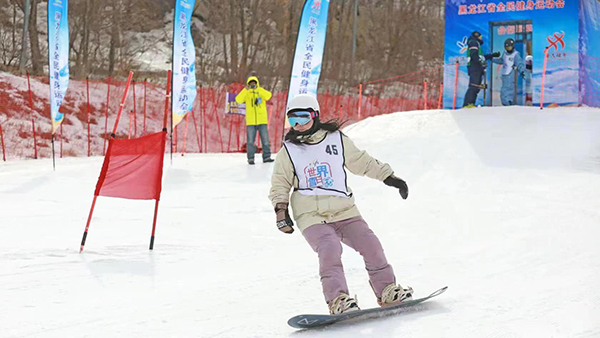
(297, 137)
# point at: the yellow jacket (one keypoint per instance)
(311, 210)
(255, 113)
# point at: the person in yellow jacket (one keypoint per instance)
(312, 164)
(255, 97)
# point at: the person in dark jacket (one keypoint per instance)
(476, 64)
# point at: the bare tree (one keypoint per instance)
(234, 38)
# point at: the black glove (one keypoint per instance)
(284, 221)
(399, 183)
(496, 54)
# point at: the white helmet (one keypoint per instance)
(304, 102)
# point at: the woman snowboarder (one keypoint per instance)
(312, 162)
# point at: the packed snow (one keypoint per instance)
(503, 208)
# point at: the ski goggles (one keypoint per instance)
(299, 117)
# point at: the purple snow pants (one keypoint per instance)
(326, 238)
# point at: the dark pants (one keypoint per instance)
(264, 140)
(475, 78)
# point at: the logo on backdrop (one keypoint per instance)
(463, 45)
(558, 40)
(557, 43)
(318, 175)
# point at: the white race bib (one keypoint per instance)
(320, 167)
(509, 62)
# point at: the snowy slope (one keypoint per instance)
(503, 209)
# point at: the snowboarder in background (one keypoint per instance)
(511, 62)
(255, 97)
(313, 162)
(476, 64)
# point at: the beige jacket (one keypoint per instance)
(310, 210)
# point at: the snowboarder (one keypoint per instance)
(511, 62)
(476, 64)
(255, 97)
(313, 161)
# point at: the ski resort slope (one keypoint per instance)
(504, 208)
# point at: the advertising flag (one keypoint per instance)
(310, 46)
(58, 57)
(184, 61)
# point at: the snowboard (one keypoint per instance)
(313, 321)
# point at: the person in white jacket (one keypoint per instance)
(511, 62)
(313, 162)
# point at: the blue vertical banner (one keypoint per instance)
(310, 46)
(58, 57)
(589, 52)
(184, 61)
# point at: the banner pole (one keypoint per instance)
(87, 226)
(32, 120)
(167, 96)
(154, 225)
(53, 156)
(543, 78)
(61, 140)
(2, 143)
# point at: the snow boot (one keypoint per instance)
(343, 303)
(251, 161)
(268, 160)
(394, 294)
